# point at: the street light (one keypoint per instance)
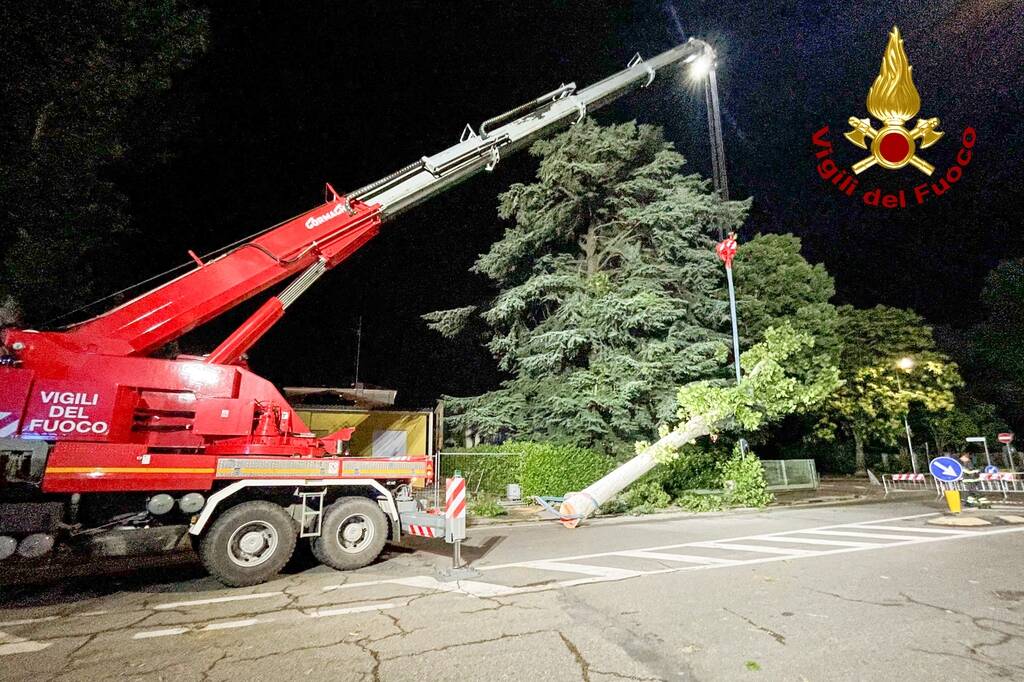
(702, 69)
(906, 364)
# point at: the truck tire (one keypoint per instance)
(352, 534)
(248, 544)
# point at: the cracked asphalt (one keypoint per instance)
(824, 593)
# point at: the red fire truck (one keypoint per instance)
(110, 448)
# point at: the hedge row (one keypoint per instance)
(539, 468)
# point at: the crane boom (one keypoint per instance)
(476, 152)
(319, 239)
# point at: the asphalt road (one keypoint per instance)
(826, 593)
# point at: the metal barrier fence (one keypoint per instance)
(790, 474)
(907, 483)
(1004, 483)
(487, 474)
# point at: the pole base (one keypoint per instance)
(448, 575)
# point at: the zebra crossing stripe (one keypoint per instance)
(585, 569)
(814, 541)
(855, 534)
(753, 548)
(666, 556)
(935, 531)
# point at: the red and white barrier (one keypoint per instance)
(907, 483)
(1001, 476)
(908, 477)
(423, 531)
(455, 509)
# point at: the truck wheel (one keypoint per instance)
(352, 535)
(248, 544)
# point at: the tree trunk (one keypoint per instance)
(584, 503)
(590, 250)
(858, 444)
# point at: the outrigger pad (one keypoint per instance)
(448, 575)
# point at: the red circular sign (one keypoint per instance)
(1006, 438)
(726, 250)
(894, 147)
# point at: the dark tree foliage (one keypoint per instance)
(775, 284)
(876, 393)
(991, 352)
(610, 295)
(79, 77)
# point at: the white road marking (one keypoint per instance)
(232, 624)
(215, 600)
(754, 548)
(365, 583)
(666, 556)
(147, 634)
(814, 541)
(471, 587)
(9, 645)
(855, 534)
(586, 569)
(939, 531)
(25, 647)
(323, 613)
(513, 564)
(27, 621)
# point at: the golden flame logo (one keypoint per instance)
(893, 99)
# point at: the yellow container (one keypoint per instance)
(953, 500)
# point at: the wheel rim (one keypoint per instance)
(252, 544)
(355, 533)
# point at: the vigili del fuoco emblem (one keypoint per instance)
(893, 100)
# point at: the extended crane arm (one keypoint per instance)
(317, 240)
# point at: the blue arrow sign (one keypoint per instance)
(991, 469)
(946, 469)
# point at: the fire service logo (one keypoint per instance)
(892, 100)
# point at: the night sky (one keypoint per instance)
(291, 95)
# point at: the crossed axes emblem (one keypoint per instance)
(925, 131)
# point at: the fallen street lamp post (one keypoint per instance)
(726, 250)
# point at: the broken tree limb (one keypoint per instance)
(781, 378)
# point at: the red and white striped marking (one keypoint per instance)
(455, 499)
(8, 424)
(423, 531)
(908, 477)
(1001, 476)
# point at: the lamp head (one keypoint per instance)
(701, 66)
